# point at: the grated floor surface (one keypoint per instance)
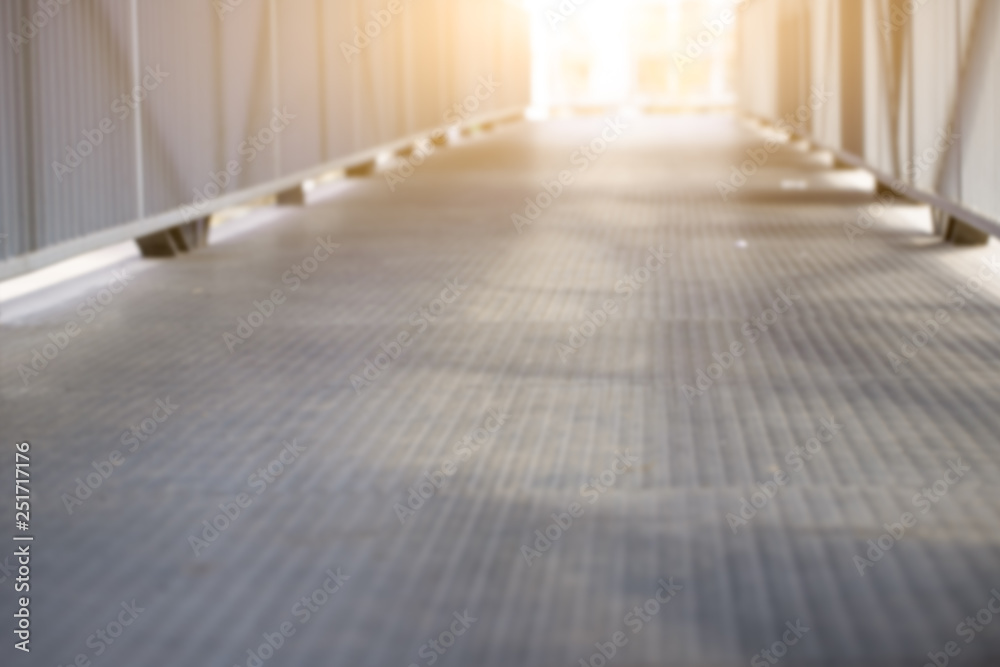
(588, 332)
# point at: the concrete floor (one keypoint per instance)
(570, 405)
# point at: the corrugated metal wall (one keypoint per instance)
(65, 78)
(211, 75)
(928, 65)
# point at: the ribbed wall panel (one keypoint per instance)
(876, 114)
(180, 116)
(341, 79)
(937, 84)
(825, 68)
(299, 144)
(226, 74)
(757, 78)
(79, 67)
(952, 85)
(248, 96)
(980, 117)
(431, 49)
(16, 237)
(383, 97)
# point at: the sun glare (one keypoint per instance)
(602, 52)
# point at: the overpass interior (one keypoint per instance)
(638, 384)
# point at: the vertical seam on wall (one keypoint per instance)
(140, 177)
(321, 78)
(28, 149)
(959, 116)
(218, 73)
(275, 88)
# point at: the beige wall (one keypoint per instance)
(227, 70)
(948, 77)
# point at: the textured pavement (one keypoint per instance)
(570, 403)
